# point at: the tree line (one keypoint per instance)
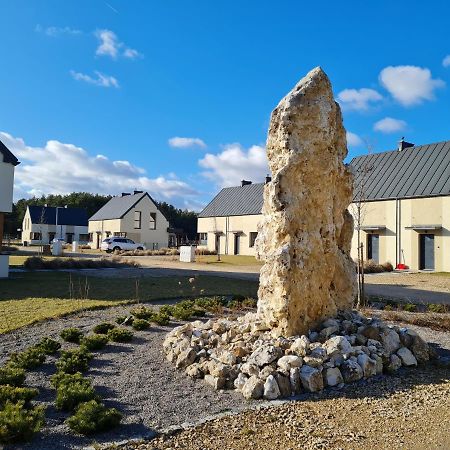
(178, 218)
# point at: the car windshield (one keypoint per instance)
(107, 241)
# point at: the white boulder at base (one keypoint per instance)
(240, 354)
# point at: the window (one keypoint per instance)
(35, 236)
(120, 233)
(152, 225)
(84, 238)
(203, 238)
(253, 235)
(137, 220)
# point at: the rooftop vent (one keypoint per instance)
(124, 194)
(403, 144)
(245, 183)
(268, 179)
(138, 192)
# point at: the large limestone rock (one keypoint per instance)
(305, 234)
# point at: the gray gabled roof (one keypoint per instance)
(117, 207)
(8, 157)
(236, 201)
(419, 171)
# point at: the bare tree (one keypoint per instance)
(358, 209)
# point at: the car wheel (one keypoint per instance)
(116, 249)
(140, 248)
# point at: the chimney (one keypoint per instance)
(138, 192)
(245, 183)
(403, 144)
(124, 194)
(268, 179)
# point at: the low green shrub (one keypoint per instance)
(181, 313)
(250, 303)
(16, 394)
(409, 307)
(103, 328)
(72, 391)
(49, 346)
(92, 417)
(60, 377)
(73, 335)
(14, 376)
(125, 320)
(28, 359)
(120, 335)
(141, 324)
(436, 308)
(94, 341)
(211, 303)
(166, 310)
(72, 361)
(388, 307)
(161, 319)
(18, 423)
(142, 313)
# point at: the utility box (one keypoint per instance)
(187, 253)
(57, 248)
(4, 266)
(74, 246)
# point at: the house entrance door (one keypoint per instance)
(373, 247)
(237, 244)
(426, 251)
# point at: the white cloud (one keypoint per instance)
(185, 142)
(353, 140)
(101, 80)
(57, 31)
(109, 45)
(390, 125)
(358, 99)
(446, 61)
(410, 85)
(59, 168)
(234, 164)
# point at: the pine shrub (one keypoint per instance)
(92, 417)
(49, 346)
(72, 391)
(73, 335)
(94, 342)
(141, 324)
(28, 359)
(103, 328)
(72, 361)
(18, 424)
(15, 394)
(161, 318)
(14, 376)
(120, 335)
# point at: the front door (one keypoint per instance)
(373, 247)
(99, 240)
(426, 257)
(217, 243)
(237, 244)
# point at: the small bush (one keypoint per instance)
(61, 377)
(14, 376)
(73, 335)
(94, 341)
(409, 307)
(387, 266)
(250, 303)
(125, 320)
(166, 310)
(92, 416)
(161, 319)
(72, 391)
(181, 313)
(120, 335)
(72, 361)
(211, 303)
(388, 307)
(18, 424)
(103, 328)
(29, 359)
(16, 394)
(142, 313)
(436, 308)
(49, 346)
(141, 324)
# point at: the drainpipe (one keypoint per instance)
(396, 234)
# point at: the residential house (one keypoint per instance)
(42, 224)
(8, 162)
(404, 199)
(134, 216)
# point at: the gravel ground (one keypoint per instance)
(137, 379)
(410, 410)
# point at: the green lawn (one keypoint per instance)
(28, 297)
(229, 260)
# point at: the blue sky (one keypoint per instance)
(94, 92)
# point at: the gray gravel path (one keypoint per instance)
(135, 378)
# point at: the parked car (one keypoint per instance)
(54, 241)
(117, 243)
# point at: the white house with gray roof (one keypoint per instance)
(134, 216)
(405, 209)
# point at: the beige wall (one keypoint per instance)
(6, 186)
(227, 227)
(150, 238)
(398, 238)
